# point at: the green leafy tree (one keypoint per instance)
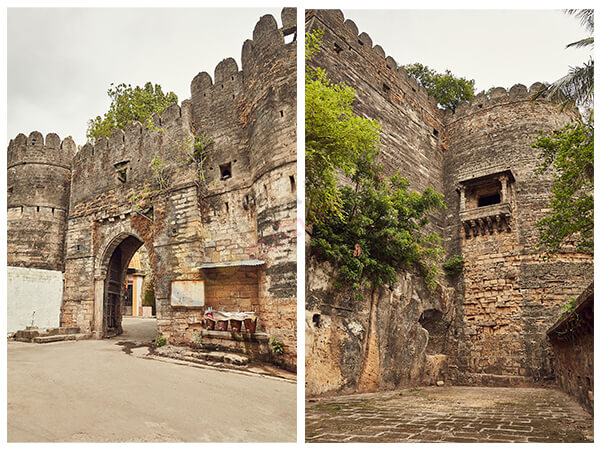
(380, 230)
(127, 105)
(447, 89)
(577, 86)
(371, 225)
(569, 152)
(335, 138)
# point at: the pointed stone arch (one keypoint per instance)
(110, 270)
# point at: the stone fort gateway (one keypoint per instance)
(487, 325)
(219, 231)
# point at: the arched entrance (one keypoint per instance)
(111, 286)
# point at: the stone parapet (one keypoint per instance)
(486, 219)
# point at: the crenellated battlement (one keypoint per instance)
(38, 180)
(227, 105)
(124, 159)
(175, 121)
(499, 96)
(33, 149)
(390, 80)
(267, 39)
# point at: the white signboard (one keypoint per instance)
(189, 293)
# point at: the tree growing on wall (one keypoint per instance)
(129, 104)
(380, 230)
(372, 225)
(335, 138)
(447, 90)
(569, 153)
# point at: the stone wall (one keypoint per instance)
(572, 340)
(411, 134)
(378, 342)
(374, 340)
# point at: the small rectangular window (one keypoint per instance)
(292, 183)
(121, 169)
(225, 171)
(488, 200)
(337, 48)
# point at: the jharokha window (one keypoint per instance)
(485, 203)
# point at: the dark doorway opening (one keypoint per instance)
(437, 328)
(116, 298)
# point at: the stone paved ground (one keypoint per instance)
(449, 414)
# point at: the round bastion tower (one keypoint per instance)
(38, 182)
(511, 293)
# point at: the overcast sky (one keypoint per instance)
(496, 48)
(61, 61)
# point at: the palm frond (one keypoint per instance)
(585, 16)
(575, 88)
(589, 41)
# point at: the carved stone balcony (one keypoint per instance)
(486, 219)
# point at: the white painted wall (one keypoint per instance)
(33, 290)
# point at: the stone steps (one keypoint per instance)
(254, 345)
(61, 337)
(41, 336)
(222, 359)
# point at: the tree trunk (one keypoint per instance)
(369, 376)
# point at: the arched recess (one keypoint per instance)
(109, 282)
(437, 329)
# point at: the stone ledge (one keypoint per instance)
(486, 219)
(493, 380)
(236, 336)
(256, 346)
(61, 337)
(31, 334)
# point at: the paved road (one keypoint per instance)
(95, 391)
(450, 414)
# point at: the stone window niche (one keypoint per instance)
(121, 171)
(225, 170)
(485, 203)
